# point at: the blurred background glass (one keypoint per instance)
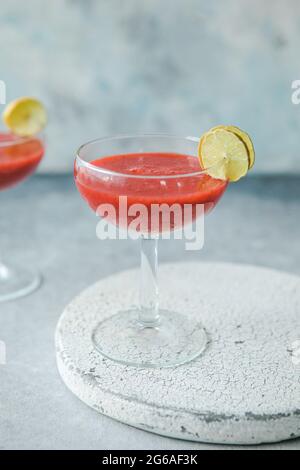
(109, 66)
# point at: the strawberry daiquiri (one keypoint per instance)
(21, 150)
(19, 157)
(177, 179)
(172, 175)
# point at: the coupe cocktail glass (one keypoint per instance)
(147, 169)
(19, 157)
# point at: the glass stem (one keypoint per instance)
(148, 312)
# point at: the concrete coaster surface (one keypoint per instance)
(244, 389)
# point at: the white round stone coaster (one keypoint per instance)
(244, 389)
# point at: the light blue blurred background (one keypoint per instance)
(180, 66)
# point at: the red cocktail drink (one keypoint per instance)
(165, 179)
(18, 158)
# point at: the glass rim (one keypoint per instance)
(137, 135)
(18, 139)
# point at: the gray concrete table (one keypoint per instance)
(44, 222)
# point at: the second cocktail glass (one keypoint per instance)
(19, 158)
(149, 170)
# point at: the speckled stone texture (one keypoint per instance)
(245, 388)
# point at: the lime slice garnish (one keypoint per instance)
(223, 154)
(245, 138)
(25, 116)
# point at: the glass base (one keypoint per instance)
(17, 281)
(176, 340)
